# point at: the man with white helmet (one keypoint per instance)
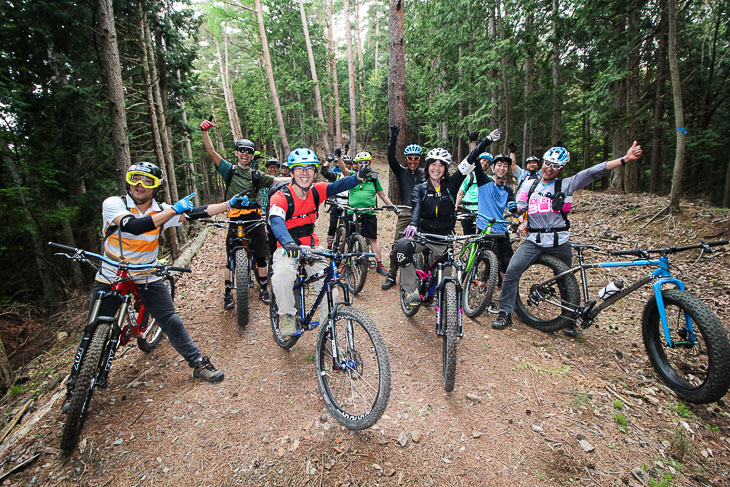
(547, 202)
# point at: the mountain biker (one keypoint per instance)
(272, 168)
(531, 171)
(408, 177)
(332, 175)
(132, 226)
(494, 197)
(292, 214)
(547, 222)
(363, 195)
(468, 195)
(434, 210)
(239, 178)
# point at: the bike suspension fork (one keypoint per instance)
(113, 343)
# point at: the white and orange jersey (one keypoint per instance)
(134, 249)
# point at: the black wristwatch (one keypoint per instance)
(623, 161)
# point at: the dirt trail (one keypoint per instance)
(525, 409)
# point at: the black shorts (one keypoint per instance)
(503, 249)
(259, 241)
(369, 227)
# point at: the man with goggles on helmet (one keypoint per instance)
(364, 195)
(292, 215)
(132, 227)
(241, 178)
(434, 209)
(547, 202)
(408, 177)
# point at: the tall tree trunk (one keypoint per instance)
(335, 83)
(361, 71)
(661, 79)
(377, 38)
(397, 84)
(726, 194)
(270, 76)
(117, 105)
(149, 97)
(492, 29)
(351, 76)
(527, 135)
(632, 172)
(557, 98)
(315, 80)
(679, 161)
(188, 147)
(620, 88)
(231, 110)
(505, 81)
(39, 246)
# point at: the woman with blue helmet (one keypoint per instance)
(547, 202)
(408, 177)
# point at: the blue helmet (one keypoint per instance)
(557, 155)
(413, 149)
(302, 157)
(487, 156)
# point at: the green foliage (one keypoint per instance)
(618, 404)
(682, 410)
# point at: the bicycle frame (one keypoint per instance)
(437, 282)
(242, 240)
(473, 247)
(586, 313)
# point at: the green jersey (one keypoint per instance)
(363, 195)
(471, 192)
(243, 180)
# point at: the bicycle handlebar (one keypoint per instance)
(669, 250)
(80, 254)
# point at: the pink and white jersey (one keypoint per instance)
(540, 213)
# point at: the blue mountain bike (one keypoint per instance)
(686, 342)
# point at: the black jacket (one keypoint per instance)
(407, 179)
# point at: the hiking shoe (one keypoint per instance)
(287, 325)
(228, 300)
(205, 370)
(380, 269)
(264, 295)
(413, 299)
(389, 283)
(571, 331)
(503, 321)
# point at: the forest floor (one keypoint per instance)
(528, 408)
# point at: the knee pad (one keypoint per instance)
(261, 262)
(403, 251)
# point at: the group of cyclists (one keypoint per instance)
(430, 196)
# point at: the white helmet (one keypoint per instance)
(438, 154)
(557, 155)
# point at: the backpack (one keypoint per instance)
(283, 186)
(558, 204)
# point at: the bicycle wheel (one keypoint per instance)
(356, 390)
(283, 342)
(411, 310)
(538, 305)
(700, 372)
(154, 332)
(340, 240)
(357, 270)
(448, 325)
(242, 281)
(480, 283)
(81, 396)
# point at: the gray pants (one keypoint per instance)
(525, 256)
(157, 300)
(282, 282)
(408, 274)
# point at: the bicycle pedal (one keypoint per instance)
(492, 308)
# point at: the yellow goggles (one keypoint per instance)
(144, 178)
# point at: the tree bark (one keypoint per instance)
(117, 105)
(270, 76)
(505, 81)
(231, 109)
(632, 172)
(361, 71)
(557, 98)
(351, 76)
(188, 147)
(335, 83)
(492, 29)
(377, 38)
(679, 161)
(661, 79)
(397, 85)
(315, 80)
(149, 97)
(529, 63)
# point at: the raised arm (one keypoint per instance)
(392, 161)
(208, 144)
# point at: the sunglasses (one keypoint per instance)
(413, 158)
(246, 150)
(146, 180)
(554, 165)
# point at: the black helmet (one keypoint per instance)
(272, 161)
(148, 169)
(403, 251)
(532, 159)
(502, 157)
(242, 143)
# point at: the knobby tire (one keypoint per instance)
(284, 342)
(449, 318)
(242, 282)
(480, 283)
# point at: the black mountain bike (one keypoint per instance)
(353, 368)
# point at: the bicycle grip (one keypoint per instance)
(634, 252)
(65, 248)
(718, 242)
(180, 269)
